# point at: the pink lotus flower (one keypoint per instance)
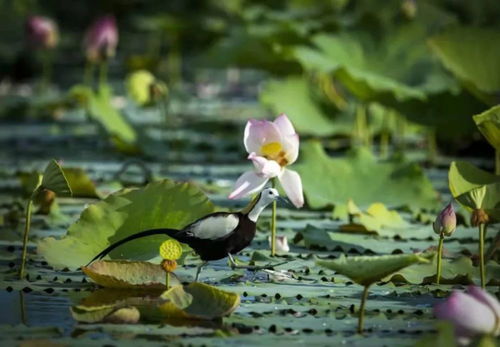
(41, 32)
(446, 221)
(101, 39)
(272, 146)
(472, 313)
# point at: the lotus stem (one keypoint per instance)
(432, 146)
(482, 269)
(25, 237)
(384, 137)
(46, 70)
(361, 319)
(401, 130)
(103, 73)
(174, 60)
(87, 74)
(497, 161)
(167, 280)
(439, 255)
(361, 125)
(273, 224)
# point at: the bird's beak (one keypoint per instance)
(285, 201)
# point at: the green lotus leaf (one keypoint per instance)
(368, 270)
(127, 274)
(465, 179)
(473, 55)
(54, 179)
(488, 123)
(363, 178)
(293, 96)
(161, 204)
(80, 183)
(93, 314)
(199, 301)
(99, 108)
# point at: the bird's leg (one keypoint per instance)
(252, 267)
(198, 270)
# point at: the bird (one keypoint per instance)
(215, 236)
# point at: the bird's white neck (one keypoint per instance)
(257, 209)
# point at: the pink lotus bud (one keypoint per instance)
(446, 221)
(101, 39)
(472, 313)
(41, 32)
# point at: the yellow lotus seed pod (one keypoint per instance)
(171, 250)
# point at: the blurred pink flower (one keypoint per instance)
(446, 221)
(41, 32)
(472, 313)
(271, 146)
(101, 39)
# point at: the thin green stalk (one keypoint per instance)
(384, 137)
(361, 318)
(46, 70)
(25, 237)
(482, 269)
(87, 74)
(401, 130)
(439, 255)
(432, 146)
(103, 74)
(497, 161)
(167, 280)
(273, 224)
(174, 61)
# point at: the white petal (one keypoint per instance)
(284, 125)
(247, 183)
(291, 148)
(258, 133)
(292, 184)
(264, 167)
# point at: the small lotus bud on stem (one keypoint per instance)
(444, 225)
(169, 265)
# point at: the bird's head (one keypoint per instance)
(269, 195)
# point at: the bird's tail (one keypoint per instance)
(169, 232)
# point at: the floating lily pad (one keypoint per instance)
(199, 301)
(454, 271)
(367, 270)
(127, 274)
(162, 204)
(362, 178)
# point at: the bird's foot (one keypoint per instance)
(269, 266)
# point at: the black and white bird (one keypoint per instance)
(216, 235)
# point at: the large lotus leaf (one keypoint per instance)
(162, 204)
(460, 270)
(464, 178)
(199, 301)
(54, 179)
(368, 270)
(127, 274)
(473, 55)
(396, 68)
(488, 123)
(362, 178)
(293, 96)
